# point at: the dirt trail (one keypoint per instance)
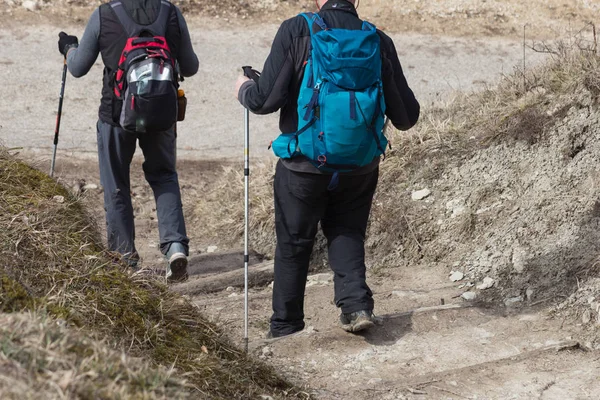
(423, 349)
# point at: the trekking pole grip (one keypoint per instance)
(251, 73)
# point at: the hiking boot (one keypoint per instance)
(177, 263)
(357, 321)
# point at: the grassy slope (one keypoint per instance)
(52, 261)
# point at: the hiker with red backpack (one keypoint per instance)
(145, 47)
(335, 79)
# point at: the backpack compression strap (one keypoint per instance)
(157, 28)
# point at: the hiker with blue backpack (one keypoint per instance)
(145, 47)
(335, 78)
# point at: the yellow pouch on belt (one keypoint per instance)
(181, 105)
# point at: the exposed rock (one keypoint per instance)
(487, 283)
(513, 301)
(519, 257)
(456, 207)
(469, 296)
(30, 5)
(267, 352)
(212, 249)
(421, 194)
(323, 278)
(59, 199)
(320, 280)
(457, 276)
(587, 317)
(529, 294)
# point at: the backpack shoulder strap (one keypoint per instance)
(128, 24)
(157, 28)
(315, 22)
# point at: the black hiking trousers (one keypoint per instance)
(116, 148)
(302, 200)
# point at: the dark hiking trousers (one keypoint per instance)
(115, 152)
(302, 200)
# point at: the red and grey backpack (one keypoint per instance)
(146, 78)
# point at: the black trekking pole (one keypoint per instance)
(58, 116)
(254, 75)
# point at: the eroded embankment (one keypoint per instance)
(53, 265)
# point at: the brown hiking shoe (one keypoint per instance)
(357, 321)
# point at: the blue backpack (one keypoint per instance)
(341, 106)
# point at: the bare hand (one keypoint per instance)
(238, 84)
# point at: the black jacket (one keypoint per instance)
(279, 84)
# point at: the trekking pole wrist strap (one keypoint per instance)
(251, 73)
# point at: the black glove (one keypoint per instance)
(251, 73)
(65, 42)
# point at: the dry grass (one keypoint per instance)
(221, 210)
(42, 358)
(52, 260)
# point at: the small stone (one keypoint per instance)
(405, 293)
(90, 186)
(59, 199)
(374, 381)
(267, 351)
(321, 278)
(456, 207)
(272, 285)
(421, 194)
(469, 296)
(519, 257)
(233, 295)
(487, 283)
(30, 5)
(230, 289)
(212, 249)
(513, 301)
(456, 276)
(529, 294)
(265, 397)
(587, 317)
